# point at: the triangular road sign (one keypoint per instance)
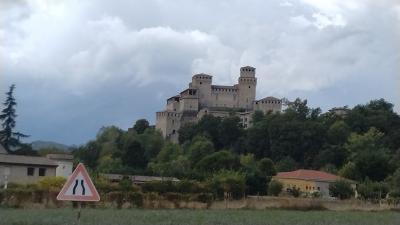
(79, 187)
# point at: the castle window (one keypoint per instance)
(201, 83)
(173, 131)
(173, 121)
(249, 87)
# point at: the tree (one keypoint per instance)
(369, 155)
(8, 137)
(286, 164)
(218, 161)
(133, 155)
(199, 148)
(395, 184)
(373, 190)
(257, 117)
(275, 188)
(341, 189)
(141, 125)
(266, 167)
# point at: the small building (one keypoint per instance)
(64, 162)
(24, 169)
(309, 181)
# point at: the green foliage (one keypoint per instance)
(266, 167)
(341, 189)
(274, 188)
(135, 198)
(51, 183)
(218, 161)
(228, 181)
(257, 116)
(349, 171)
(296, 192)
(199, 148)
(286, 164)
(373, 190)
(8, 137)
(141, 125)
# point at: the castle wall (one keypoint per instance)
(202, 98)
(189, 104)
(224, 96)
(268, 105)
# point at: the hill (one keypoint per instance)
(36, 145)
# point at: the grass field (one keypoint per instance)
(137, 217)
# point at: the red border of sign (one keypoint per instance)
(79, 169)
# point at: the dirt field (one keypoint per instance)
(137, 217)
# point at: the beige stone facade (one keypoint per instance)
(202, 98)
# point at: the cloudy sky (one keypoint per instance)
(82, 64)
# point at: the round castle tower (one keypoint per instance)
(247, 83)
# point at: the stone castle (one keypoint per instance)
(202, 98)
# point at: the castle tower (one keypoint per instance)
(247, 87)
(202, 82)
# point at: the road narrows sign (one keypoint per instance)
(79, 187)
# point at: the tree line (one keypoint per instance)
(362, 145)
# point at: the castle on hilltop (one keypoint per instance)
(202, 98)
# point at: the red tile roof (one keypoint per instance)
(308, 175)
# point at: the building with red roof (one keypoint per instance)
(309, 181)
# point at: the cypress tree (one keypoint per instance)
(8, 137)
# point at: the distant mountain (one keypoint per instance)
(36, 145)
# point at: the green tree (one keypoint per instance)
(274, 188)
(286, 164)
(230, 129)
(369, 155)
(266, 167)
(141, 125)
(341, 189)
(199, 148)
(228, 181)
(8, 137)
(373, 190)
(338, 133)
(257, 116)
(218, 161)
(349, 171)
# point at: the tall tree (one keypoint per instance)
(8, 137)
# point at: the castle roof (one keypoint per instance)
(268, 98)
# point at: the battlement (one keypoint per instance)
(247, 71)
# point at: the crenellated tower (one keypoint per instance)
(247, 83)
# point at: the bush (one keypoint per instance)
(159, 187)
(373, 190)
(51, 183)
(295, 192)
(230, 182)
(341, 189)
(117, 197)
(135, 198)
(275, 188)
(202, 197)
(188, 186)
